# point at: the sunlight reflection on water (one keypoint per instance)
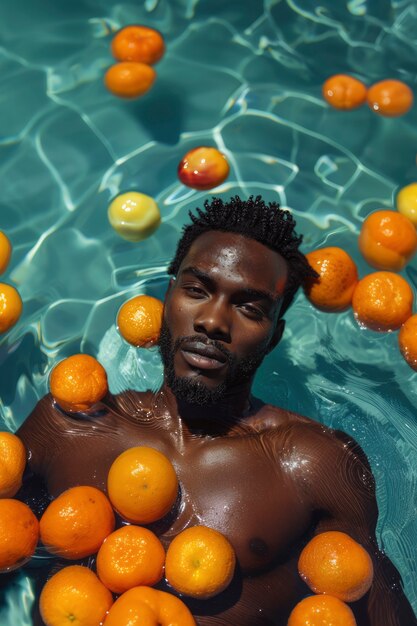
(249, 82)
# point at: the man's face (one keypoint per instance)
(221, 316)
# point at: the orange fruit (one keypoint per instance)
(78, 382)
(382, 301)
(19, 534)
(75, 524)
(338, 277)
(407, 339)
(5, 251)
(390, 98)
(128, 79)
(203, 168)
(344, 92)
(321, 611)
(388, 240)
(142, 485)
(74, 595)
(138, 43)
(130, 556)
(10, 307)
(333, 563)
(139, 321)
(143, 606)
(12, 464)
(200, 562)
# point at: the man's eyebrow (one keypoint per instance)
(205, 278)
(255, 294)
(260, 294)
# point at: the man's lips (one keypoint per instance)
(201, 356)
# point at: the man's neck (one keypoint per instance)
(210, 419)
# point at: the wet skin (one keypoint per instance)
(267, 478)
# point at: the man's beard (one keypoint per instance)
(195, 391)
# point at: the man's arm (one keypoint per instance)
(34, 433)
(37, 432)
(343, 491)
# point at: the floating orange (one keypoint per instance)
(321, 611)
(74, 595)
(344, 92)
(382, 301)
(12, 464)
(407, 339)
(388, 240)
(10, 307)
(332, 291)
(129, 79)
(200, 562)
(139, 320)
(142, 485)
(390, 98)
(78, 382)
(144, 606)
(130, 556)
(19, 533)
(138, 43)
(333, 563)
(5, 251)
(75, 524)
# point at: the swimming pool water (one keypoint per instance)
(245, 77)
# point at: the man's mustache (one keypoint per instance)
(207, 342)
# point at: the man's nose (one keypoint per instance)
(213, 320)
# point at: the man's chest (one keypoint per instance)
(231, 484)
(234, 487)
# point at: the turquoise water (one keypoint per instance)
(246, 77)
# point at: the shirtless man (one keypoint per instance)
(265, 477)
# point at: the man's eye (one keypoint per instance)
(194, 291)
(252, 311)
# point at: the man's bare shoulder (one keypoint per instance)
(306, 438)
(47, 422)
(128, 403)
(132, 403)
(268, 416)
(48, 428)
(326, 464)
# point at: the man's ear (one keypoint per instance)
(278, 332)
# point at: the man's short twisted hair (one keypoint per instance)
(255, 219)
